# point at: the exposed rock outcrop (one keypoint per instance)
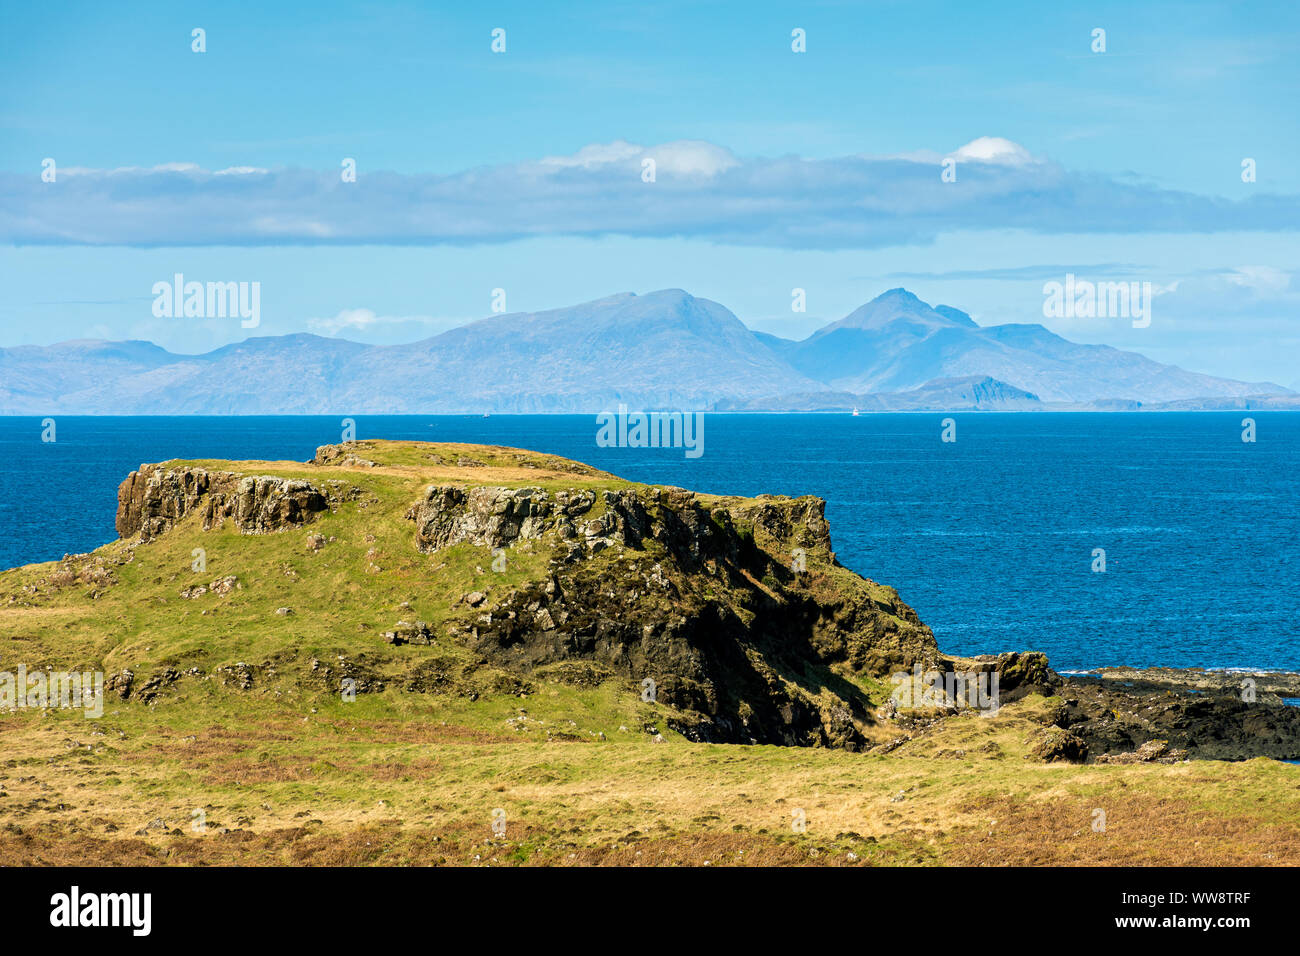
(1128, 715)
(155, 497)
(341, 455)
(1153, 751)
(733, 611)
(494, 517)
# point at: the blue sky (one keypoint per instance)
(775, 170)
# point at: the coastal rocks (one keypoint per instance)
(1157, 716)
(154, 498)
(1269, 686)
(1118, 716)
(262, 504)
(1019, 673)
(800, 522)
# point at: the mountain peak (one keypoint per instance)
(887, 308)
(897, 295)
(663, 297)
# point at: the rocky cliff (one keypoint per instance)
(155, 497)
(733, 612)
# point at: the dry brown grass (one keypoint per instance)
(1141, 830)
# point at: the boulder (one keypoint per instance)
(1056, 744)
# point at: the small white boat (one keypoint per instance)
(855, 413)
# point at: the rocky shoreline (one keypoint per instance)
(1194, 713)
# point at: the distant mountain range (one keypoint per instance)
(663, 350)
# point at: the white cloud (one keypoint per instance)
(994, 149)
(687, 157)
(597, 154)
(701, 191)
(355, 319)
(128, 170)
(692, 157)
(367, 320)
(1260, 279)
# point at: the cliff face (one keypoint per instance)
(736, 609)
(154, 498)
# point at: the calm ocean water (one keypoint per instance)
(990, 538)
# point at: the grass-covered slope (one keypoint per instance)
(499, 615)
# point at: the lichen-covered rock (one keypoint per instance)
(341, 455)
(1153, 751)
(1057, 744)
(264, 503)
(154, 498)
(1019, 673)
(491, 517)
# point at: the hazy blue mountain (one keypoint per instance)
(665, 350)
(896, 342)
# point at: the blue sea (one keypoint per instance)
(991, 537)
